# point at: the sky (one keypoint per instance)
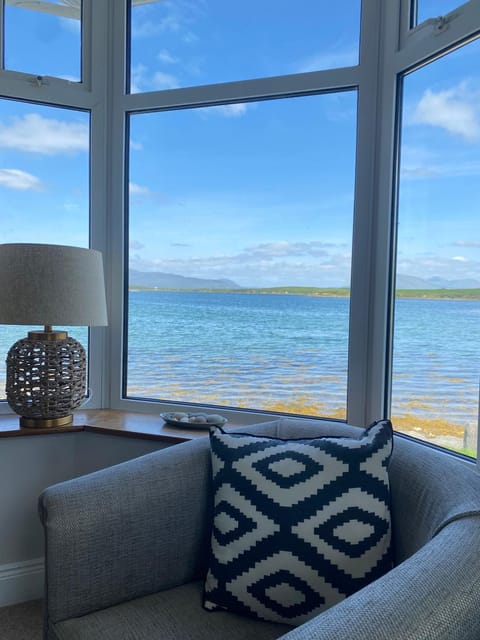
(260, 193)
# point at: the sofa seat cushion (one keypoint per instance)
(176, 614)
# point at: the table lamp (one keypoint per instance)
(43, 284)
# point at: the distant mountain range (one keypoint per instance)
(412, 282)
(160, 280)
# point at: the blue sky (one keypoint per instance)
(261, 193)
(185, 43)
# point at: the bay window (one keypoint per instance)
(274, 189)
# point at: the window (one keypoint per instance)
(261, 164)
(52, 30)
(437, 328)
(240, 232)
(181, 44)
(44, 186)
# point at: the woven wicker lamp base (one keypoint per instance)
(46, 378)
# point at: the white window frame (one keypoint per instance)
(367, 322)
(240, 91)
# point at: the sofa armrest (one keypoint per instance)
(433, 594)
(126, 531)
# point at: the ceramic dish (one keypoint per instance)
(193, 420)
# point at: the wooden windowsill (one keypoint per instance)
(110, 422)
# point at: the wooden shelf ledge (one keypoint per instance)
(108, 422)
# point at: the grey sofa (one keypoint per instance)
(127, 549)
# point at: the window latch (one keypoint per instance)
(441, 23)
(39, 81)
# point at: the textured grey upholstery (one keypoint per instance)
(127, 548)
(164, 615)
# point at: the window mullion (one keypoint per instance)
(373, 227)
(96, 20)
(117, 115)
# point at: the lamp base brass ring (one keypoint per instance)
(45, 423)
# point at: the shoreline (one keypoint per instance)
(437, 430)
(454, 435)
(333, 292)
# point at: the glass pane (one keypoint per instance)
(178, 44)
(44, 38)
(44, 187)
(240, 251)
(434, 8)
(437, 317)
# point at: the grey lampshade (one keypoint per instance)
(46, 284)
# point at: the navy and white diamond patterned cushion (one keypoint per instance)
(298, 524)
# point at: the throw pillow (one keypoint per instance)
(298, 524)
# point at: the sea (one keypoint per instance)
(288, 353)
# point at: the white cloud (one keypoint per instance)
(235, 110)
(413, 173)
(141, 80)
(136, 245)
(35, 134)
(165, 56)
(421, 163)
(137, 146)
(166, 17)
(268, 264)
(137, 73)
(272, 250)
(331, 60)
(455, 110)
(429, 266)
(152, 28)
(283, 263)
(21, 180)
(138, 190)
(161, 80)
(71, 207)
(467, 243)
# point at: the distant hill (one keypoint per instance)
(160, 280)
(412, 282)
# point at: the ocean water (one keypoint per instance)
(289, 353)
(239, 350)
(436, 363)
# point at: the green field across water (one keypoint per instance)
(341, 292)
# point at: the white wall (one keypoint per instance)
(29, 464)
